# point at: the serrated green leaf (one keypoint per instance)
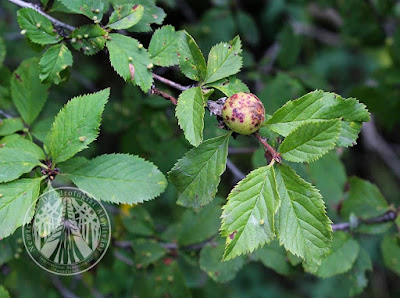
(211, 262)
(28, 93)
(357, 275)
(89, 38)
(302, 225)
(365, 200)
(190, 113)
(248, 216)
(316, 105)
(191, 59)
(15, 201)
(119, 178)
(152, 15)
(54, 63)
(125, 54)
(230, 86)
(197, 227)
(15, 162)
(2, 51)
(93, 9)
(125, 16)
(38, 28)
(224, 60)
(197, 175)
(349, 134)
(310, 140)
(10, 125)
(163, 46)
(16, 141)
(76, 125)
(319, 105)
(293, 259)
(390, 248)
(147, 252)
(273, 256)
(341, 257)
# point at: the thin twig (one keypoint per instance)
(199, 246)
(319, 34)
(163, 94)
(37, 8)
(166, 245)
(271, 54)
(238, 174)
(326, 14)
(123, 244)
(375, 142)
(122, 258)
(386, 217)
(271, 150)
(4, 114)
(66, 293)
(95, 292)
(342, 226)
(169, 246)
(170, 83)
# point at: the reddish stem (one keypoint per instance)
(170, 83)
(165, 95)
(275, 155)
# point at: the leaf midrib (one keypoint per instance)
(202, 168)
(299, 228)
(108, 178)
(311, 138)
(223, 62)
(259, 195)
(17, 196)
(163, 49)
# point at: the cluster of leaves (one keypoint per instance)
(56, 60)
(73, 129)
(274, 215)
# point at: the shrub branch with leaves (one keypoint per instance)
(271, 203)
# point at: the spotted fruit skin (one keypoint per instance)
(243, 113)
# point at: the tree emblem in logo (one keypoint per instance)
(69, 233)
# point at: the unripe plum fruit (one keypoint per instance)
(243, 113)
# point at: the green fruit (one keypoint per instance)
(243, 113)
